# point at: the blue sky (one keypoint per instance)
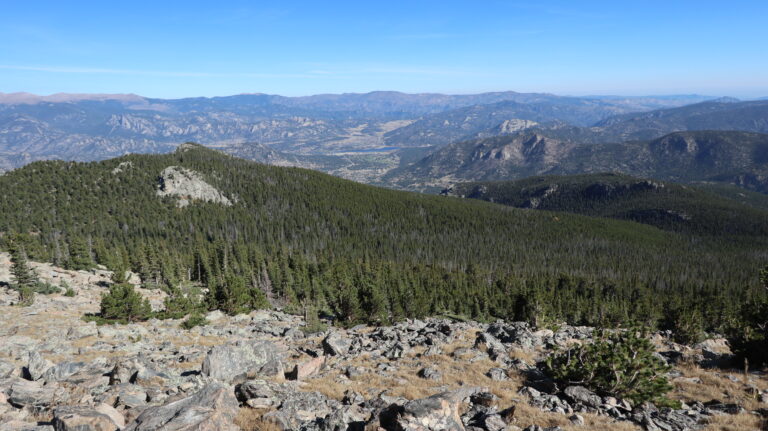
(182, 49)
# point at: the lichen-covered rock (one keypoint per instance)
(336, 344)
(241, 360)
(36, 366)
(24, 393)
(298, 407)
(307, 368)
(583, 396)
(213, 408)
(430, 373)
(79, 418)
(440, 412)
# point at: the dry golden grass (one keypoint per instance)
(715, 385)
(249, 419)
(189, 339)
(456, 372)
(529, 356)
(742, 422)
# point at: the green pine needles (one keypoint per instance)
(124, 304)
(620, 364)
(750, 341)
(24, 278)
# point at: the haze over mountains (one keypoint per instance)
(88, 127)
(412, 141)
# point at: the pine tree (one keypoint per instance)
(348, 305)
(230, 296)
(79, 255)
(25, 279)
(123, 303)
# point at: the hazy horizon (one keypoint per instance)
(176, 50)
(117, 95)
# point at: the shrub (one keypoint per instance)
(195, 319)
(313, 324)
(620, 364)
(26, 296)
(124, 304)
(44, 288)
(68, 291)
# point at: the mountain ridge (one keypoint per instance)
(665, 205)
(739, 158)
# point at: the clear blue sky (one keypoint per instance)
(179, 49)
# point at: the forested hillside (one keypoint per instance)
(360, 253)
(666, 205)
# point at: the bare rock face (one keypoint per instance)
(440, 412)
(188, 186)
(214, 408)
(514, 125)
(238, 361)
(36, 366)
(307, 368)
(76, 418)
(24, 393)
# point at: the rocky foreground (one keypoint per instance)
(262, 371)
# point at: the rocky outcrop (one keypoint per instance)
(79, 418)
(242, 360)
(436, 413)
(579, 399)
(214, 408)
(188, 186)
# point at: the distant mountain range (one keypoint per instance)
(738, 158)
(509, 117)
(93, 127)
(411, 141)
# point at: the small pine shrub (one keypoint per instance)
(26, 296)
(195, 319)
(124, 304)
(313, 324)
(44, 288)
(69, 292)
(621, 364)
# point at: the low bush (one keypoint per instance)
(44, 288)
(621, 364)
(195, 319)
